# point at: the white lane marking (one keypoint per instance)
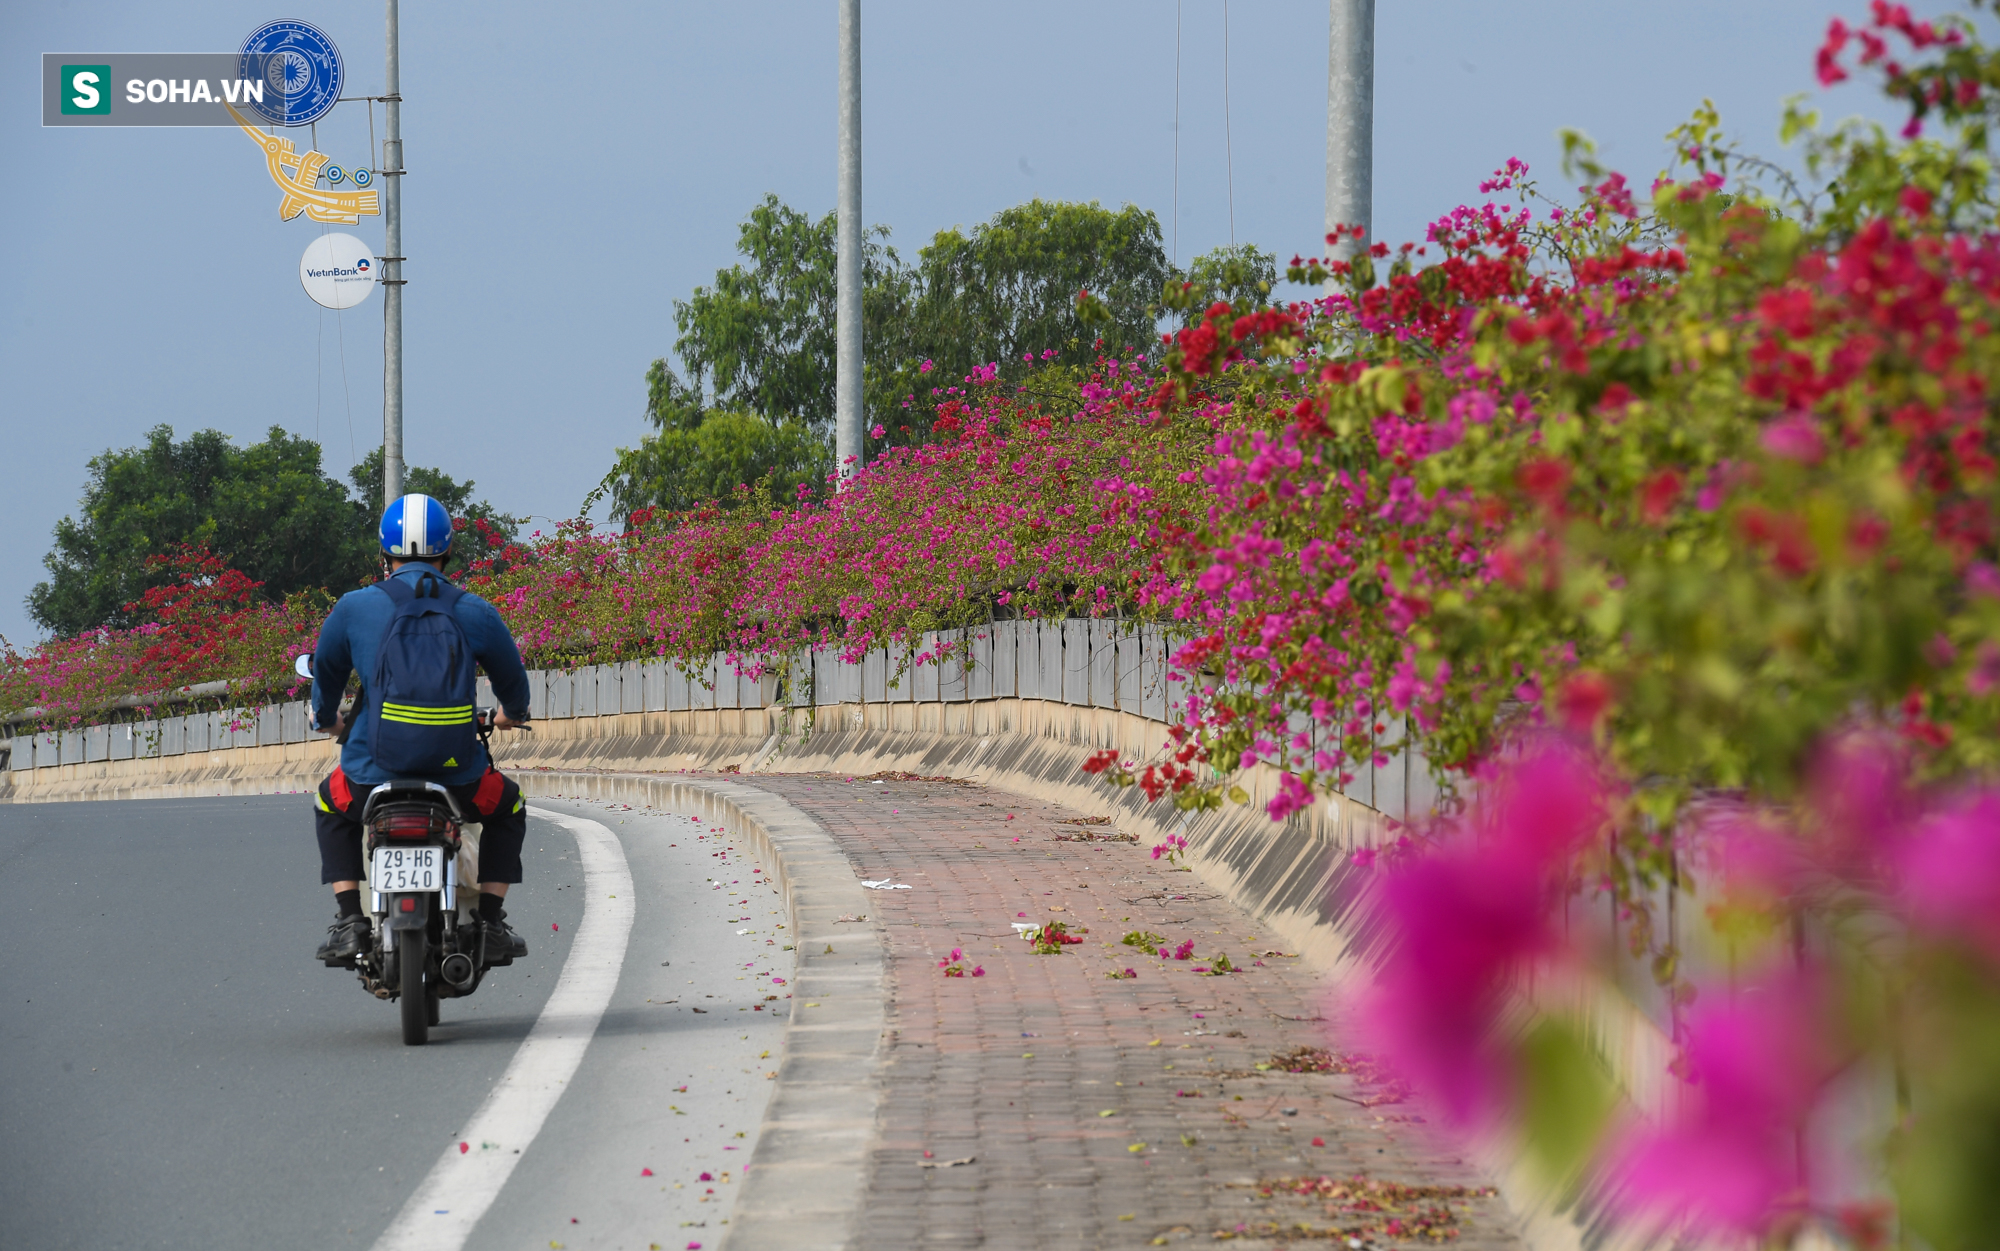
(441, 1214)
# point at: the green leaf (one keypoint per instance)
(1567, 1098)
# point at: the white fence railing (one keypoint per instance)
(1083, 663)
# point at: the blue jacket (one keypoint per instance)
(347, 645)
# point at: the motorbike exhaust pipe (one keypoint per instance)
(457, 970)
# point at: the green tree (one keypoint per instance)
(269, 510)
(470, 543)
(1235, 275)
(1008, 288)
(670, 403)
(761, 339)
(764, 335)
(681, 467)
(700, 454)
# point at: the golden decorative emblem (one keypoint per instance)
(298, 177)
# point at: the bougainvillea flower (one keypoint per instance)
(1794, 436)
(1466, 917)
(1758, 1061)
(1462, 920)
(1950, 872)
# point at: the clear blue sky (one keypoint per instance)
(574, 168)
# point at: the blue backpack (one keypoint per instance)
(422, 693)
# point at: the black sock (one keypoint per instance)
(349, 903)
(489, 907)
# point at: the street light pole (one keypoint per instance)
(392, 270)
(1350, 118)
(848, 447)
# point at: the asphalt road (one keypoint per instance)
(179, 1072)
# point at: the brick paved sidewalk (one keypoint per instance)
(1101, 1112)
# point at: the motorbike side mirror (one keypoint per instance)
(303, 666)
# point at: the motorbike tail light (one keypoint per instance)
(418, 824)
(409, 904)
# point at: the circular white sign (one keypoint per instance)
(338, 271)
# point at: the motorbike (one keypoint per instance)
(423, 953)
(417, 843)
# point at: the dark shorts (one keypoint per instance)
(503, 817)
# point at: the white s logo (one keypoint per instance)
(85, 85)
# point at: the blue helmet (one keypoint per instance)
(414, 526)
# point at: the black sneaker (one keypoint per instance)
(345, 939)
(503, 945)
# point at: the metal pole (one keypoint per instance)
(392, 271)
(1350, 118)
(848, 447)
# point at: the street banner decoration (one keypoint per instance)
(298, 177)
(287, 74)
(301, 67)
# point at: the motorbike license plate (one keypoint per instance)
(407, 869)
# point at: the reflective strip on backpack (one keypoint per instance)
(412, 715)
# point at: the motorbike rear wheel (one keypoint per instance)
(416, 997)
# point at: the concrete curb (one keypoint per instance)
(806, 1179)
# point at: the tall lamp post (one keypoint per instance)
(848, 447)
(392, 270)
(1350, 118)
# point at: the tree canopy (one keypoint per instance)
(1237, 275)
(764, 335)
(761, 339)
(700, 454)
(1007, 288)
(269, 511)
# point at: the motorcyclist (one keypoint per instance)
(416, 536)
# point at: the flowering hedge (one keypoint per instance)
(210, 624)
(1006, 508)
(1670, 520)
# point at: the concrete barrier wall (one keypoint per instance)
(1079, 663)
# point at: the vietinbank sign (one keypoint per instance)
(337, 271)
(285, 74)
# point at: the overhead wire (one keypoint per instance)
(347, 394)
(339, 324)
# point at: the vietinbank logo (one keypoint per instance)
(337, 270)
